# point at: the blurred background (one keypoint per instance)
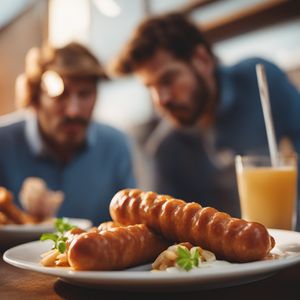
(237, 29)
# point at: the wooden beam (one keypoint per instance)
(251, 18)
(196, 4)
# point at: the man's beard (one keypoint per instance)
(63, 142)
(200, 99)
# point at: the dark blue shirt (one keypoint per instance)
(89, 181)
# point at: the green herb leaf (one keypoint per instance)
(187, 260)
(58, 237)
(195, 257)
(49, 236)
(185, 264)
(183, 252)
(62, 225)
(61, 246)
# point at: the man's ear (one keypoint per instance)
(203, 61)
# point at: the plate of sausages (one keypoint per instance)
(146, 233)
(19, 226)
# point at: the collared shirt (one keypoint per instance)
(89, 180)
(198, 165)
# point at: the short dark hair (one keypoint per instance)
(174, 32)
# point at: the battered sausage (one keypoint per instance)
(11, 211)
(115, 249)
(108, 225)
(229, 238)
(4, 219)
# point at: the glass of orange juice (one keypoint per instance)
(268, 194)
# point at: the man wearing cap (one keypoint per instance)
(55, 139)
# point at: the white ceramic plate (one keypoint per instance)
(11, 235)
(219, 274)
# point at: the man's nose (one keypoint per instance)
(163, 96)
(73, 106)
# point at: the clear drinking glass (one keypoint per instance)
(268, 194)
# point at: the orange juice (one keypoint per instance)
(268, 195)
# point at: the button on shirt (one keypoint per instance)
(99, 170)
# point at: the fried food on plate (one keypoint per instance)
(108, 225)
(228, 238)
(10, 212)
(38, 200)
(115, 249)
(4, 220)
(184, 255)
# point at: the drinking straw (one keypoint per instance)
(265, 102)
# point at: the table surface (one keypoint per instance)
(17, 283)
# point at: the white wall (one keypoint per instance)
(122, 102)
(10, 8)
(280, 43)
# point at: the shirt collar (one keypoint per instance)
(226, 89)
(33, 135)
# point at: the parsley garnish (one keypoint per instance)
(61, 226)
(187, 260)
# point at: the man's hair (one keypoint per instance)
(73, 60)
(173, 32)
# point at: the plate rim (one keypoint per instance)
(36, 228)
(143, 277)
